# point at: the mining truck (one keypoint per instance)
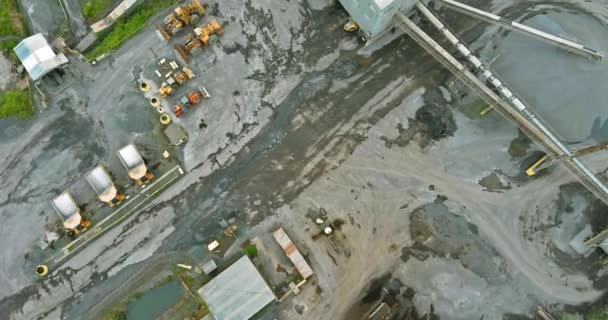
(133, 161)
(70, 214)
(102, 183)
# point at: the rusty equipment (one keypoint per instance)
(231, 230)
(177, 78)
(182, 16)
(189, 100)
(199, 37)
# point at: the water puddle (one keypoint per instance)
(154, 302)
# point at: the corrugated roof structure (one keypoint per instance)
(293, 253)
(237, 293)
(37, 56)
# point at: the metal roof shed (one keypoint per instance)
(238, 293)
(37, 56)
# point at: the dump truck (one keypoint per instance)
(199, 37)
(133, 161)
(70, 214)
(189, 100)
(102, 183)
(175, 79)
(182, 16)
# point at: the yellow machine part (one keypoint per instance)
(204, 32)
(85, 223)
(165, 119)
(42, 270)
(185, 11)
(148, 177)
(165, 89)
(231, 230)
(117, 200)
(351, 26)
(144, 86)
(531, 171)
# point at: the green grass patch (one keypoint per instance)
(93, 9)
(11, 20)
(251, 251)
(115, 314)
(127, 26)
(7, 46)
(11, 24)
(597, 314)
(473, 109)
(16, 103)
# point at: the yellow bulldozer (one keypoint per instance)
(199, 37)
(182, 16)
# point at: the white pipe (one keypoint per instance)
(553, 40)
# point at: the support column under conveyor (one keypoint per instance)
(509, 106)
(534, 33)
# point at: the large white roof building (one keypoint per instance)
(238, 293)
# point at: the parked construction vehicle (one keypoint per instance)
(199, 37)
(173, 79)
(102, 183)
(182, 16)
(133, 161)
(70, 214)
(189, 100)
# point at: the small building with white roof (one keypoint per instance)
(38, 57)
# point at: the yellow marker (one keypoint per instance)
(144, 86)
(486, 110)
(165, 119)
(42, 270)
(530, 172)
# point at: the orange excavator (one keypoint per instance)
(189, 100)
(182, 16)
(199, 37)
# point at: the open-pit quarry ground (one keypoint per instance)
(430, 197)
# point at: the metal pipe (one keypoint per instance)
(534, 33)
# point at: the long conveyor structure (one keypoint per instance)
(559, 42)
(507, 104)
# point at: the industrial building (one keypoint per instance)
(238, 293)
(38, 57)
